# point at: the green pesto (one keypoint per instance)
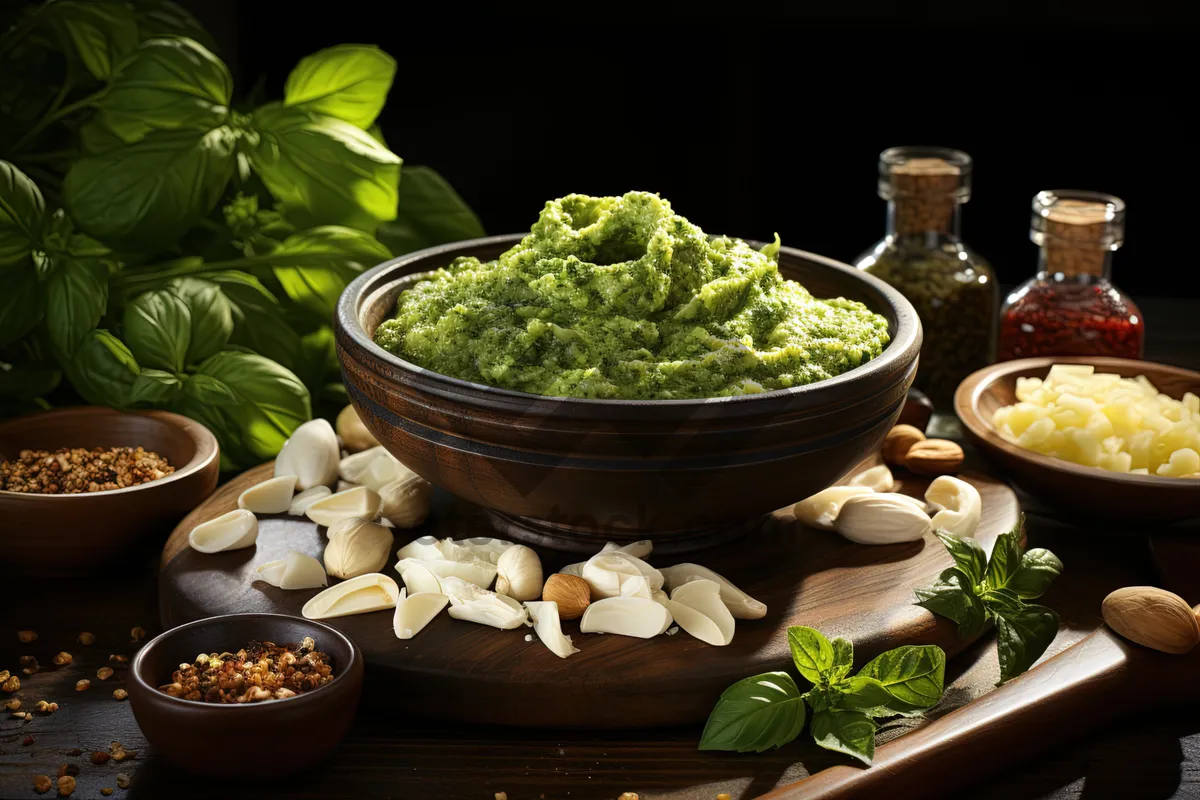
(620, 298)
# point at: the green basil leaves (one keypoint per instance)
(755, 714)
(349, 82)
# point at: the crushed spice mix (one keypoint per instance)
(77, 470)
(260, 671)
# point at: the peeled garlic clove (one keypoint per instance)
(904, 498)
(447, 558)
(958, 504)
(606, 572)
(361, 595)
(231, 531)
(699, 610)
(877, 479)
(415, 611)
(272, 496)
(879, 519)
(344, 486)
(296, 571)
(302, 501)
(637, 587)
(549, 629)
(360, 502)
(627, 616)
(820, 510)
(486, 547)
(638, 549)
(474, 604)
(353, 433)
(519, 573)
(740, 604)
(420, 580)
(352, 468)
(356, 547)
(406, 502)
(311, 454)
(384, 470)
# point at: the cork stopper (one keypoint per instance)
(926, 184)
(1077, 230)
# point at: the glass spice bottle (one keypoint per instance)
(951, 286)
(1070, 307)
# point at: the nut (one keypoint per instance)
(104, 673)
(137, 633)
(11, 685)
(898, 442)
(42, 783)
(83, 685)
(120, 694)
(87, 639)
(27, 637)
(66, 785)
(63, 659)
(572, 594)
(1152, 617)
(934, 457)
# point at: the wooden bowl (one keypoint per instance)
(71, 534)
(572, 473)
(260, 741)
(1084, 491)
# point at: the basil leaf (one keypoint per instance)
(76, 296)
(211, 317)
(323, 170)
(755, 714)
(1006, 557)
(165, 18)
(1023, 636)
(1002, 601)
(953, 596)
(98, 32)
(862, 692)
(211, 391)
(349, 81)
(103, 370)
(429, 212)
(811, 652)
(912, 675)
(158, 330)
(22, 302)
(167, 84)
(22, 216)
(843, 658)
(154, 387)
(96, 137)
(144, 196)
(849, 732)
(1039, 568)
(258, 320)
(967, 553)
(314, 266)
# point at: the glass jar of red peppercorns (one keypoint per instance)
(1071, 307)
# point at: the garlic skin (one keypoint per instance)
(626, 616)
(519, 573)
(303, 500)
(361, 595)
(272, 496)
(353, 433)
(606, 572)
(406, 502)
(877, 479)
(549, 629)
(356, 547)
(740, 604)
(820, 510)
(311, 454)
(415, 611)
(295, 571)
(359, 502)
(698, 609)
(880, 519)
(958, 504)
(231, 531)
(474, 604)
(448, 559)
(419, 580)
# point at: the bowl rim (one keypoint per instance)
(966, 403)
(907, 338)
(208, 449)
(136, 665)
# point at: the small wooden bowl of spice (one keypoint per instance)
(286, 687)
(80, 486)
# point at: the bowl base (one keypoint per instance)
(588, 541)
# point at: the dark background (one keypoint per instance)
(753, 118)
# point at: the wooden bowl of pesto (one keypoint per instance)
(573, 473)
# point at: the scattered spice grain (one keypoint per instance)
(106, 791)
(118, 659)
(260, 671)
(83, 685)
(27, 637)
(86, 639)
(63, 659)
(13, 705)
(120, 694)
(78, 470)
(28, 740)
(67, 769)
(46, 707)
(122, 780)
(42, 783)
(11, 684)
(138, 633)
(66, 785)
(100, 757)
(104, 673)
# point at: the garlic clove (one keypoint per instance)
(420, 580)
(479, 573)
(659, 596)
(360, 502)
(878, 479)
(958, 504)
(519, 573)
(356, 547)
(311, 454)
(474, 604)
(639, 549)
(915, 502)
(272, 496)
(627, 616)
(549, 629)
(820, 510)
(448, 558)
(352, 468)
(486, 547)
(573, 569)
(344, 486)
(415, 611)
(880, 519)
(231, 531)
(406, 501)
(606, 572)
(352, 431)
(295, 571)
(361, 595)
(384, 470)
(702, 599)
(637, 587)
(740, 604)
(302, 501)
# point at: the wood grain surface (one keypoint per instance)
(460, 671)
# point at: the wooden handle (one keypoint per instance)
(1096, 679)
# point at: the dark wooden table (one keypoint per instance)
(1155, 756)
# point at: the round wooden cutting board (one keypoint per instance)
(464, 672)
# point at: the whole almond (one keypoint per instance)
(571, 592)
(1152, 617)
(898, 442)
(933, 457)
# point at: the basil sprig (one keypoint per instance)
(768, 710)
(977, 590)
